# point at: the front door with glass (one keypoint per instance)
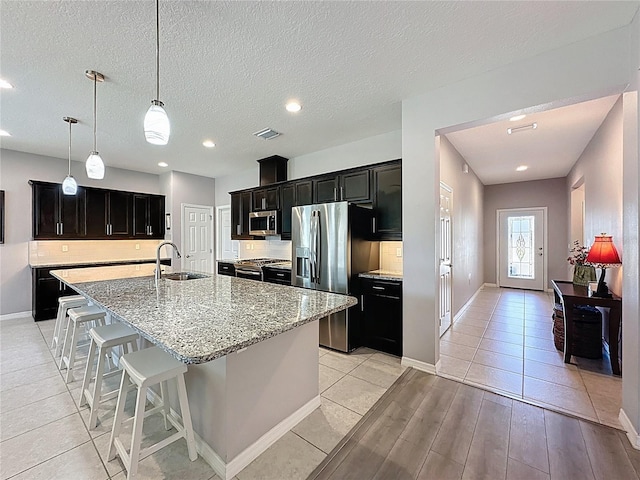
(521, 248)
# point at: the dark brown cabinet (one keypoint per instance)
(266, 199)
(292, 195)
(46, 291)
(226, 268)
(148, 213)
(95, 213)
(276, 275)
(56, 215)
(240, 208)
(325, 189)
(381, 307)
(387, 202)
(352, 187)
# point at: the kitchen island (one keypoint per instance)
(252, 349)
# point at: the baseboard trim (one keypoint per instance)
(490, 285)
(419, 365)
(467, 303)
(12, 316)
(227, 471)
(632, 434)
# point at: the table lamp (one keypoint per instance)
(603, 254)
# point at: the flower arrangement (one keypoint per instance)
(578, 254)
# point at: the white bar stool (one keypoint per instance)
(146, 368)
(77, 318)
(104, 338)
(64, 304)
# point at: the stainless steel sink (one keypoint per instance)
(184, 276)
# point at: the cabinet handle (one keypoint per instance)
(374, 224)
(341, 193)
(264, 203)
(62, 229)
(57, 228)
(238, 229)
(280, 274)
(362, 303)
(377, 288)
(106, 229)
(335, 194)
(225, 268)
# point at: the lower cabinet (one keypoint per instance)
(276, 275)
(381, 307)
(46, 291)
(226, 268)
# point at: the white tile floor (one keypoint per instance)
(43, 432)
(503, 341)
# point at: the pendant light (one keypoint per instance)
(94, 164)
(156, 122)
(69, 185)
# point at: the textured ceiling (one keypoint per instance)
(549, 151)
(228, 68)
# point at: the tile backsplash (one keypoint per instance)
(90, 251)
(391, 256)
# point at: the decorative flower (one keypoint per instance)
(578, 254)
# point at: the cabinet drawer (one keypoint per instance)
(226, 269)
(381, 287)
(277, 275)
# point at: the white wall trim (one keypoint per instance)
(219, 210)
(227, 471)
(13, 316)
(632, 435)
(211, 210)
(418, 365)
(468, 302)
(489, 285)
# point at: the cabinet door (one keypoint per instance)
(96, 212)
(326, 189)
(288, 200)
(156, 216)
(240, 208)
(355, 187)
(141, 215)
(304, 193)
(46, 291)
(120, 214)
(46, 209)
(245, 208)
(259, 200)
(72, 214)
(388, 202)
(382, 323)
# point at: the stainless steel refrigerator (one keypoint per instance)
(331, 244)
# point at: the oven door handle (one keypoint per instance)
(248, 272)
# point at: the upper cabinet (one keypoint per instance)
(240, 208)
(95, 213)
(387, 201)
(56, 215)
(293, 194)
(266, 199)
(352, 187)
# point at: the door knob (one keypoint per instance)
(187, 256)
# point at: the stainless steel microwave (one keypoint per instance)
(264, 223)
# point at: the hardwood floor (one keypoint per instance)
(428, 427)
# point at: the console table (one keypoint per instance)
(569, 295)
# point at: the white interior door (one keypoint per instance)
(445, 287)
(224, 244)
(197, 238)
(522, 248)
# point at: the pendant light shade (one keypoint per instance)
(69, 184)
(156, 122)
(94, 164)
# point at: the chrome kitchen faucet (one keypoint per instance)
(158, 271)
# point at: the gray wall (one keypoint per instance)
(600, 168)
(468, 201)
(16, 169)
(539, 193)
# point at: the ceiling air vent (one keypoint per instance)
(267, 134)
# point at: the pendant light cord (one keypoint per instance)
(157, 49)
(69, 148)
(95, 82)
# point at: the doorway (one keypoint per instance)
(521, 248)
(197, 238)
(224, 244)
(445, 284)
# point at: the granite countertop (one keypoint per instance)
(382, 275)
(102, 262)
(279, 266)
(200, 320)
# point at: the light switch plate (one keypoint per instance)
(399, 252)
(137, 246)
(65, 248)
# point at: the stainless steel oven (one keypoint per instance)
(250, 274)
(264, 223)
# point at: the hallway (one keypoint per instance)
(503, 342)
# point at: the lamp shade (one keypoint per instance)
(603, 252)
(69, 185)
(95, 166)
(156, 124)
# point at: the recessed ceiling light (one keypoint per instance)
(293, 107)
(521, 168)
(531, 126)
(5, 84)
(516, 118)
(4, 133)
(163, 164)
(208, 144)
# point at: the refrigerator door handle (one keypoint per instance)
(314, 246)
(318, 242)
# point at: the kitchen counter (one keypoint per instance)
(89, 264)
(203, 319)
(252, 349)
(382, 275)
